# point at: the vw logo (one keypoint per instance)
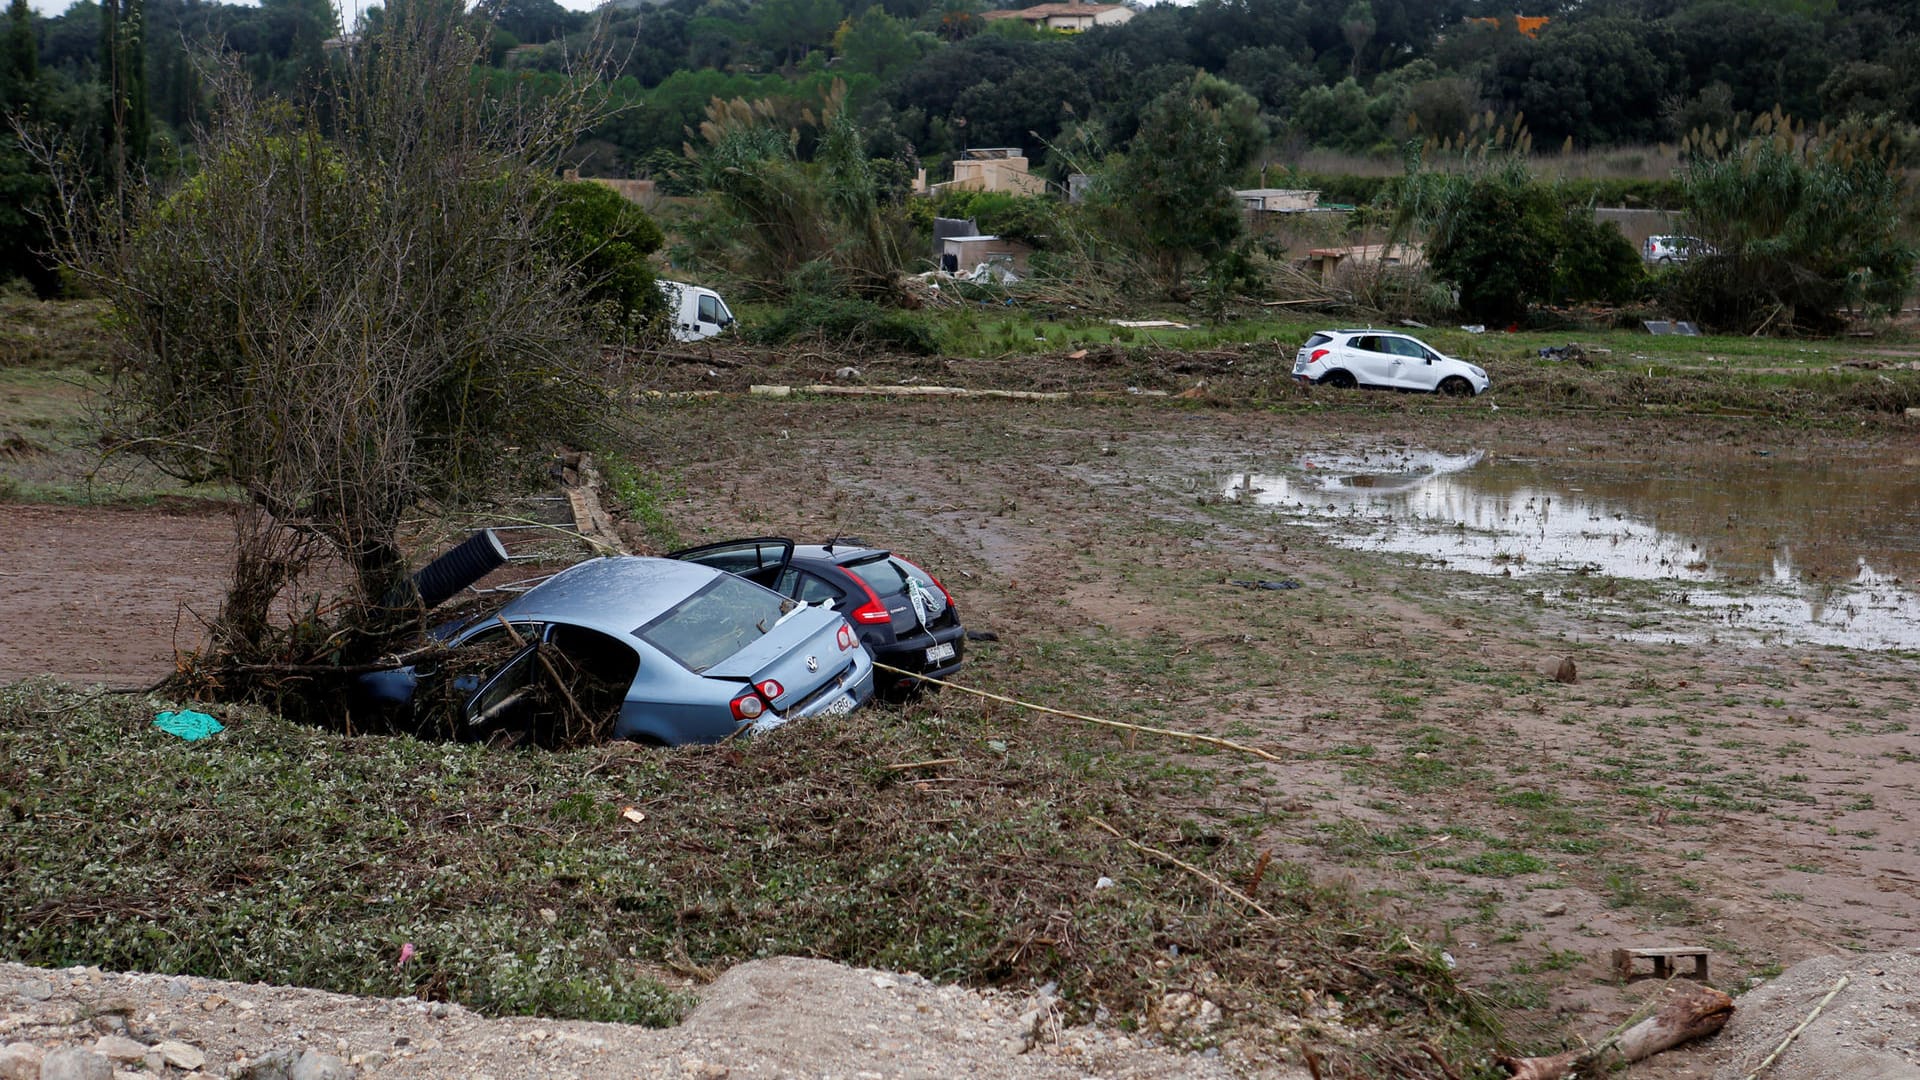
(812, 664)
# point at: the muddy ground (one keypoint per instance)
(1754, 801)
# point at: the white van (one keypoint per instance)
(694, 312)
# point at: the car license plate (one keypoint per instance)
(1299, 367)
(841, 706)
(942, 651)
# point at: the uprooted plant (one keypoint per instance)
(345, 312)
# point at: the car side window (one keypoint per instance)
(1367, 344)
(709, 309)
(814, 589)
(493, 633)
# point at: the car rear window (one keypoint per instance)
(714, 623)
(885, 576)
(1317, 339)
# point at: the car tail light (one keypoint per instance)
(748, 706)
(1314, 357)
(771, 689)
(845, 637)
(873, 611)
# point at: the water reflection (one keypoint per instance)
(1807, 551)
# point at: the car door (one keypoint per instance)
(1412, 364)
(811, 588)
(711, 314)
(1373, 363)
(759, 559)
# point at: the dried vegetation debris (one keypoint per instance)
(547, 894)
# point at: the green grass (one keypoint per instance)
(643, 497)
(286, 854)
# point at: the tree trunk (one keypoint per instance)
(1691, 1012)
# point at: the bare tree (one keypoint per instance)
(348, 310)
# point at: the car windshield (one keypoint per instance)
(885, 576)
(714, 623)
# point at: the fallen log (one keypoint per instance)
(1690, 1012)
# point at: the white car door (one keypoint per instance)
(1372, 364)
(1413, 364)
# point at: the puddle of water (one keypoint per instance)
(1765, 548)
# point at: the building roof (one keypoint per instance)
(1048, 11)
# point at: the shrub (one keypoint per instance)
(849, 322)
(607, 238)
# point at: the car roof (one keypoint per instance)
(840, 554)
(613, 595)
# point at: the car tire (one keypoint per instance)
(1341, 380)
(1665, 260)
(1455, 386)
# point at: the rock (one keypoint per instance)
(184, 1056)
(315, 1066)
(1566, 673)
(120, 1048)
(272, 1065)
(846, 374)
(20, 1061)
(1558, 907)
(75, 1064)
(35, 989)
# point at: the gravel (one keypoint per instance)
(784, 1017)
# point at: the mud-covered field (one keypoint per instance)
(1756, 801)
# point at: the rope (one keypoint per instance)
(1167, 732)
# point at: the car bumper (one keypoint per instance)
(917, 655)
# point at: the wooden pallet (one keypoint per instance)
(1663, 961)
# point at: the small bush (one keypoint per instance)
(849, 322)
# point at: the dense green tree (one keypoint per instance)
(1593, 260)
(1335, 116)
(23, 184)
(1493, 232)
(1034, 102)
(1801, 230)
(1767, 58)
(1599, 80)
(534, 22)
(608, 238)
(1171, 198)
(20, 67)
(876, 44)
(790, 28)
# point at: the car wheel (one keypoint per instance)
(1666, 260)
(1341, 380)
(1455, 386)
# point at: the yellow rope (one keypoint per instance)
(1187, 735)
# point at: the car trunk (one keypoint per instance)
(808, 635)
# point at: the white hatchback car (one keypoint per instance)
(1344, 358)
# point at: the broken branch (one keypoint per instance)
(1795, 1033)
(559, 683)
(1189, 868)
(1691, 1012)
